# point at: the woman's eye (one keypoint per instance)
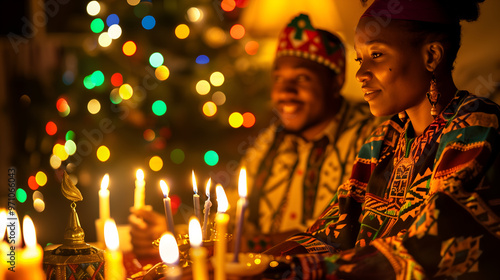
(375, 55)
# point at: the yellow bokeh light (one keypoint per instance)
(39, 205)
(60, 152)
(209, 109)
(129, 48)
(217, 79)
(126, 91)
(194, 14)
(235, 120)
(55, 162)
(133, 2)
(104, 40)
(202, 87)
(215, 37)
(93, 8)
(162, 73)
(182, 31)
(41, 178)
(219, 98)
(156, 163)
(94, 106)
(103, 153)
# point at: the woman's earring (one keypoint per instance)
(402, 116)
(433, 96)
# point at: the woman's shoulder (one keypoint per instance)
(467, 109)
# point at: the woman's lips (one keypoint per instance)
(371, 94)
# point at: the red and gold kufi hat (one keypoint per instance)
(301, 39)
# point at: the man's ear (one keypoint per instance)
(433, 54)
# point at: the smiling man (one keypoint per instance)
(296, 164)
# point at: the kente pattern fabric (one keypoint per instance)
(279, 160)
(415, 208)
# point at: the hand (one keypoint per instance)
(146, 226)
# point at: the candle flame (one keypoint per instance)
(222, 203)
(3, 223)
(207, 189)
(29, 233)
(111, 235)
(169, 252)
(139, 175)
(195, 187)
(164, 188)
(242, 184)
(195, 237)
(105, 182)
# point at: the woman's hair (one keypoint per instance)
(449, 35)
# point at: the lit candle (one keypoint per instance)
(29, 264)
(206, 211)
(196, 198)
(104, 198)
(221, 219)
(4, 247)
(139, 192)
(169, 253)
(168, 208)
(240, 211)
(113, 258)
(197, 252)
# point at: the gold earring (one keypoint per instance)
(402, 116)
(433, 95)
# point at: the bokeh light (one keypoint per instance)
(103, 153)
(148, 22)
(62, 105)
(97, 78)
(38, 205)
(60, 151)
(55, 162)
(112, 19)
(129, 48)
(87, 82)
(32, 184)
(217, 79)
(237, 31)
(235, 120)
(211, 158)
(126, 91)
(156, 59)
(115, 31)
(115, 97)
(248, 119)
(116, 79)
(104, 40)
(228, 5)
(215, 37)
(94, 106)
(97, 25)
(156, 163)
(202, 59)
(70, 147)
(149, 135)
(51, 128)
(182, 31)
(252, 47)
(194, 14)
(93, 8)
(68, 77)
(209, 109)
(202, 87)
(21, 195)
(159, 108)
(37, 194)
(162, 73)
(177, 156)
(133, 2)
(70, 135)
(219, 98)
(41, 178)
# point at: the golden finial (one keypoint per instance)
(69, 190)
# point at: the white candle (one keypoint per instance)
(168, 207)
(196, 198)
(206, 211)
(113, 258)
(104, 198)
(29, 264)
(221, 219)
(140, 190)
(169, 253)
(197, 253)
(240, 211)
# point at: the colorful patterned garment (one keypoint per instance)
(291, 180)
(414, 208)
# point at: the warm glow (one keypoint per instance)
(115, 31)
(252, 47)
(194, 14)
(195, 236)
(103, 153)
(169, 252)
(207, 189)
(155, 163)
(93, 8)
(228, 5)
(222, 203)
(41, 178)
(242, 183)
(182, 31)
(29, 233)
(139, 175)
(104, 39)
(209, 109)
(217, 79)
(111, 235)
(94, 106)
(193, 179)
(237, 31)
(105, 182)
(202, 87)
(235, 120)
(164, 188)
(125, 91)
(129, 48)
(3, 223)
(162, 73)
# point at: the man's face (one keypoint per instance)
(302, 93)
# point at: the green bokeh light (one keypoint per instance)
(159, 108)
(87, 82)
(70, 135)
(211, 158)
(21, 195)
(97, 25)
(177, 156)
(156, 59)
(97, 78)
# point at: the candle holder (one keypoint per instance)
(248, 264)
(75, 259)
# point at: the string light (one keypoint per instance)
(159, 108)
(235, 120)
(209, 109)
(237, 31)
(129, 48)
(156, 163)
(93, 8)
(177, 156)
(162, 73)
(194, 14)
(202, 87)
(148, 22)
(41, 178)
(219, 98)
(211, 158)
(182, 31)
(103, 153)
(217, 79)
(202, 59)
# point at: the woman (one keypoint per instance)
(418, 205)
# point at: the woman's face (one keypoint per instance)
(392, 68)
